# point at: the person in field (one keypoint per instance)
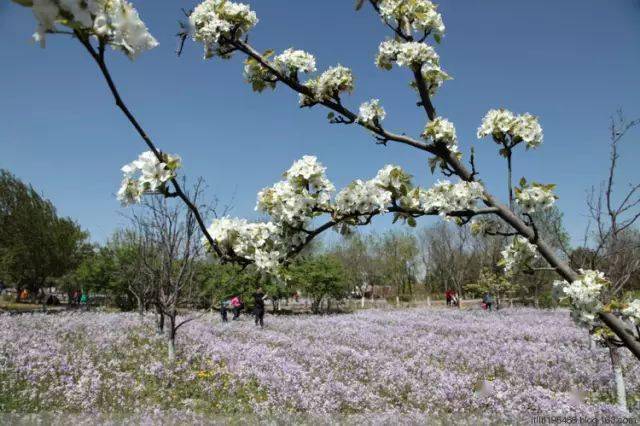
(488, 301)
(223, 310)
(448, 295)
(258, 306)
(236, 304)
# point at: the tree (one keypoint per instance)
(396, 255)
(322, 278)
(169, 250)
(36, 245)
(222, 27)
(355, 255)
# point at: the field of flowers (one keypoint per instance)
(384, 364)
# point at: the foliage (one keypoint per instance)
(36, 244)
(320, 277)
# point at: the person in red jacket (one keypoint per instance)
(236, 304)
(448, 295)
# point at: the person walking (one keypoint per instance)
(235, 307)
(448, 295)
(488, 300)
(258, 306)
(223, 310)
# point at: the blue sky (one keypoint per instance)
(572, 62)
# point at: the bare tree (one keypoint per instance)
(170, 248)
(616, 244)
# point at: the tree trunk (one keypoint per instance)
(159, 323)
(362, 301)
(621, 394)
(171, 338)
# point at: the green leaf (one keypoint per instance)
(523, 182)
(411, 221)
(330, 116)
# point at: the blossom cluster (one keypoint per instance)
(114, 22)
(632, 311)
(380, 365)
(295, 200)
(441, 130)
(306, 192)
(405, 54)
(259, 242)
(420, 15)
(371, 112)
(291, 61)
(535, 197)
(146, 174)
(414, 55)
(502, 124)
(519, 254)
(328, 85)
(584, 295)
(215, 22)
(362, 197)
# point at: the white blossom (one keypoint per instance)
(130, 191)
(114, 22)
(501, 123)
(416, 56)
(371, 112)
(632, 311)
(535, 197)
(519, 254)
(405, 54)
(441, 130)
(420, 15)
(362, 197)
(394, 179)
(293, 61)
(146, 174)
(584, 296)
(328, 85)
(215, 22)
(297, 199)
(446, 197)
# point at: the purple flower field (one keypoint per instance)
(385, 364)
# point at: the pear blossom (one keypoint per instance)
(130, 191)
(371, 112)
(394, 179)
(215, 22)
(520, 253)
(446, 197)
(297, 199)
(535, 197)
(114, 22)
(433, 76)
(501, 123)
(362, 197)
(420, 15)
(441, 130)
(293, 61)
(405, 54)
(632, 311)
(584, 296)
(328, 85)
(257, 75)
(259, 242)
(146, 174)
